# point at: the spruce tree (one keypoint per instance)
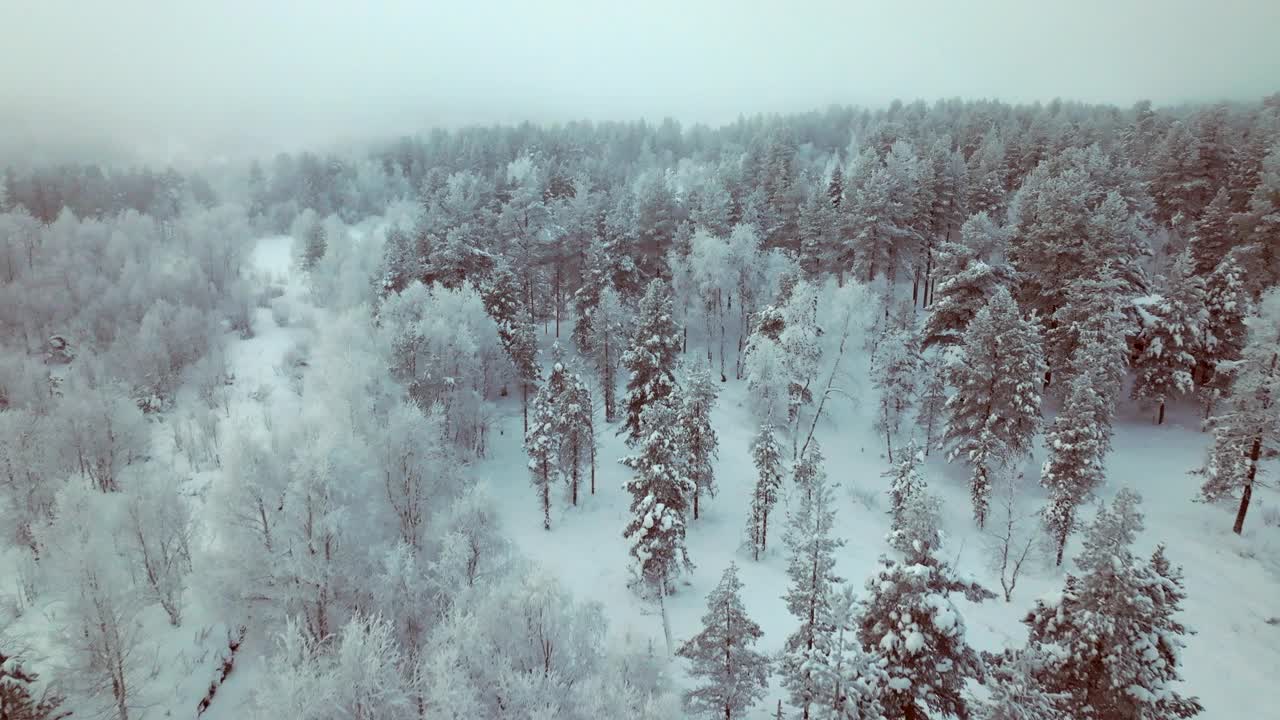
(1249, 430)
(701, 443)
(995, 411)
(1170, 338)
(919, 633)
(1110, 639)
(651, 357)
(811, 574)
(659, 498)
(731, 676)
(767, 457)
(1077, 443)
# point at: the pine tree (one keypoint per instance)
(732, 675)
(542, 443)
(652, 356)
(995, 411)
(659, 494)
(912, 518)
(575, 428)
(848, 681)
(1110, 640)
(1226, 304)
(1016, 691)
(503, 301)
(1249, 430)
(1091, 314)
(1214, 235)
(966, 284)
(1077, 443)
(608, 333)
(701, 443)
(1172, 332)
(316, 243)
(894, 367)
(767, 456)
(18, 697)
(919, 633)
(933, 400)
(811, 572)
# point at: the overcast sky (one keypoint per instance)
(177, 71)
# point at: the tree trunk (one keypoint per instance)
(524, 404)
(1160, 414)
(695, 502)
(1255, 451)
(666, 620)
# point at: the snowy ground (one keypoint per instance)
(1233, 583)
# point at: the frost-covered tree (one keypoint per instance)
(660, 490)
(1092, 315)
(22, 695)
(906, 486)
(1249, 430)
(849, 681)
(700, 440)
(1016, 691)
(505, 304)
(100, 617)
(607, 341)
(542, 443)
(1077, 444)
(1110, 640)
(731, 675)
(157, 529)
(930, 412)
(766, 454)
(1226, 304)
(811, 580)
(910, 620)
(894, 368)
(577, 432)
(651, 357)
(1173, 326)
(995, 411)
(965, 285)
(105, 431)
(1214, 235)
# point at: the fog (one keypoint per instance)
(171, 77)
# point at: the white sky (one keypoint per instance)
(180, 70)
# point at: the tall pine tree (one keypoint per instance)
(1110, 638)
(731, 675)
(995, 411)
(701, 443)
(651, 358)
(812, 578)
(767, 456)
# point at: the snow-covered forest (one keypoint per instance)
(964, 409)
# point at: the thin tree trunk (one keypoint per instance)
(1254, 453)
(666, 620)
(1160, 415)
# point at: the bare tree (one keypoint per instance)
(1011, 538)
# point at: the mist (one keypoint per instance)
(171, 79)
